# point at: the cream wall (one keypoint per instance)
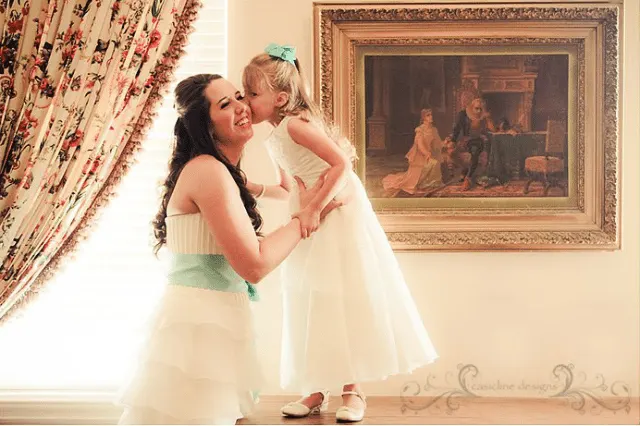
(514, 315)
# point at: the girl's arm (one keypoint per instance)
(312, 138)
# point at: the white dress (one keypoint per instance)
(199, 364)
(348, 314)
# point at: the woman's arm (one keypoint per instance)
(212, 188)
(278, 192)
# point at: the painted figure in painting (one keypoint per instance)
(470, 134)
(424, 171)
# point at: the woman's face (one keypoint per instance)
(230, 115)
(427, 117)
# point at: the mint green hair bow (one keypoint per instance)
(286, 53)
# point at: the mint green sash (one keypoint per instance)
(208, 271)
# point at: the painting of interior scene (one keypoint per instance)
(466, 126)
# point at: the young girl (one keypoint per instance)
(348, 315)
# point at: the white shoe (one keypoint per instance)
(349, 414)
(298, 409)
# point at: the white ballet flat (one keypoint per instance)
(349, 414)
(298, 409)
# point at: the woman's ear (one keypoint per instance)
(282, 99)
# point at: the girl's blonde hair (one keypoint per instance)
(279, 75)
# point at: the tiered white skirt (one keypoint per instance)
(199, 365)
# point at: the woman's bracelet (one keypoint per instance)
(264, 188)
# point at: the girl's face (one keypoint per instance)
(230, 115)
(263, 103)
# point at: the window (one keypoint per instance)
(85, 328)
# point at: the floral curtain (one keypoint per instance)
(79, 80)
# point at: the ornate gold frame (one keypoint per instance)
(588, 219)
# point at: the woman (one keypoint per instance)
(200, 364)
(424, 162)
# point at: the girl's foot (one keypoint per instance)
(353, 405)
(315, 403)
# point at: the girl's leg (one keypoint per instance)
(350, 399)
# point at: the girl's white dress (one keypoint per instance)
(348, 314)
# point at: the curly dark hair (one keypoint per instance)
(194, 136)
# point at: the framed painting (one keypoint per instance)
(479, 128)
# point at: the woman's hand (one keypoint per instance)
(309, 221)
(310, 218)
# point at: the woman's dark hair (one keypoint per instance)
(194, 136)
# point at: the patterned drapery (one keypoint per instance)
(79, 82)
